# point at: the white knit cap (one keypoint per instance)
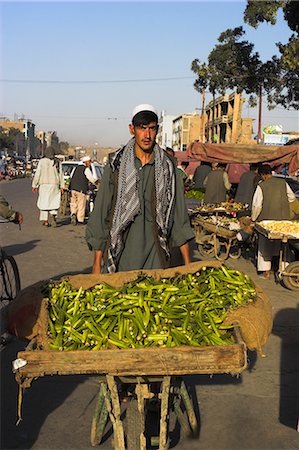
(143, 107)
(85, 158)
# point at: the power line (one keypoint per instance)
(141, 80)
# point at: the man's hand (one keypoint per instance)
(185, 252)
(19, 218)
(34, 190)
(96, 268)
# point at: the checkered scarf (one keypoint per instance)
(128, 203)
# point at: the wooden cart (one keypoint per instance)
(212, 239)
(290, 275)
(140, 368)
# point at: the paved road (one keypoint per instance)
(257, 410)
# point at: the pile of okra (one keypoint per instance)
(187, 309)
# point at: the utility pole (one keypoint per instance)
(259, 132)
(213, 117)
(203, 97)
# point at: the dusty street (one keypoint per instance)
(257, 410)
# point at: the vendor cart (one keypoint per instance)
(152, 378)
(213, 239)
(140, 368)
(288, 274)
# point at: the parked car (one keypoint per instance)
(292, 182)
(67, 168)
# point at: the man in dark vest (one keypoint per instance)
(200, 174)
(271, 201)
(79, 187)
(247, 186)
(216, 184)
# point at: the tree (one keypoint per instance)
(235, 63)
(232, 64)
(63, 147)
(11, 139)
(284, 87)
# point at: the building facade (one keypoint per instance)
(164, 136)
(23, 144)
(186, 129)
(51, 139)
(223, 121)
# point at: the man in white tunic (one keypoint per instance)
(46, 181)
(271, 201)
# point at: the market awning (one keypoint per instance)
(242, 154)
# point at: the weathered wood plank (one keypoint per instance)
(150, 361)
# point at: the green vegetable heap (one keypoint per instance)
(188, 309)
(195, 193)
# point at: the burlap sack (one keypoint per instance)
(28, 312)
(117, 280)
(24, 312)
(246, 224)
(254, 320)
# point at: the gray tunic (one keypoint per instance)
(141, 249)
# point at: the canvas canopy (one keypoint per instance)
(242, 154)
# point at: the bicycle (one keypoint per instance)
(10, 283)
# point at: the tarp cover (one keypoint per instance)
(237, 153)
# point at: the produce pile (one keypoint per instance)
(222, 221)
(188, 309)
(281, 226)
(197, 194)
(224, 206)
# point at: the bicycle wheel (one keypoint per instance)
(10, 278)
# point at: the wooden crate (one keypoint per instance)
(150, 361)
(217, 229)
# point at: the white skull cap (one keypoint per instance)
(85, 158)
(143, 107)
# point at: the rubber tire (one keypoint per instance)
(134, 425)
(10, 278)
(292, 283)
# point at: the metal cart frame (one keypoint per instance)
(290, 275)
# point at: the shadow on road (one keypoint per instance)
(286, 326)
(39, 401)
(21, 248)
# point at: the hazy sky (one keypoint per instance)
(79, 68)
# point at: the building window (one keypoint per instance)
(184, 147)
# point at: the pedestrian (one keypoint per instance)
(8, 213)
(271, 201)
(247, 186)
(46, 181)
(200, 174)
(216, 184)
(79, 184)
(139, 212)
(182, 171)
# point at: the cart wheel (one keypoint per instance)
(134, 425)
(206, 245)
(99, 420)
(293, 281)
(235, 251)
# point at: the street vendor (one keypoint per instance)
(216, 184)
(271, 201)
(139, 212)
(247, 185)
